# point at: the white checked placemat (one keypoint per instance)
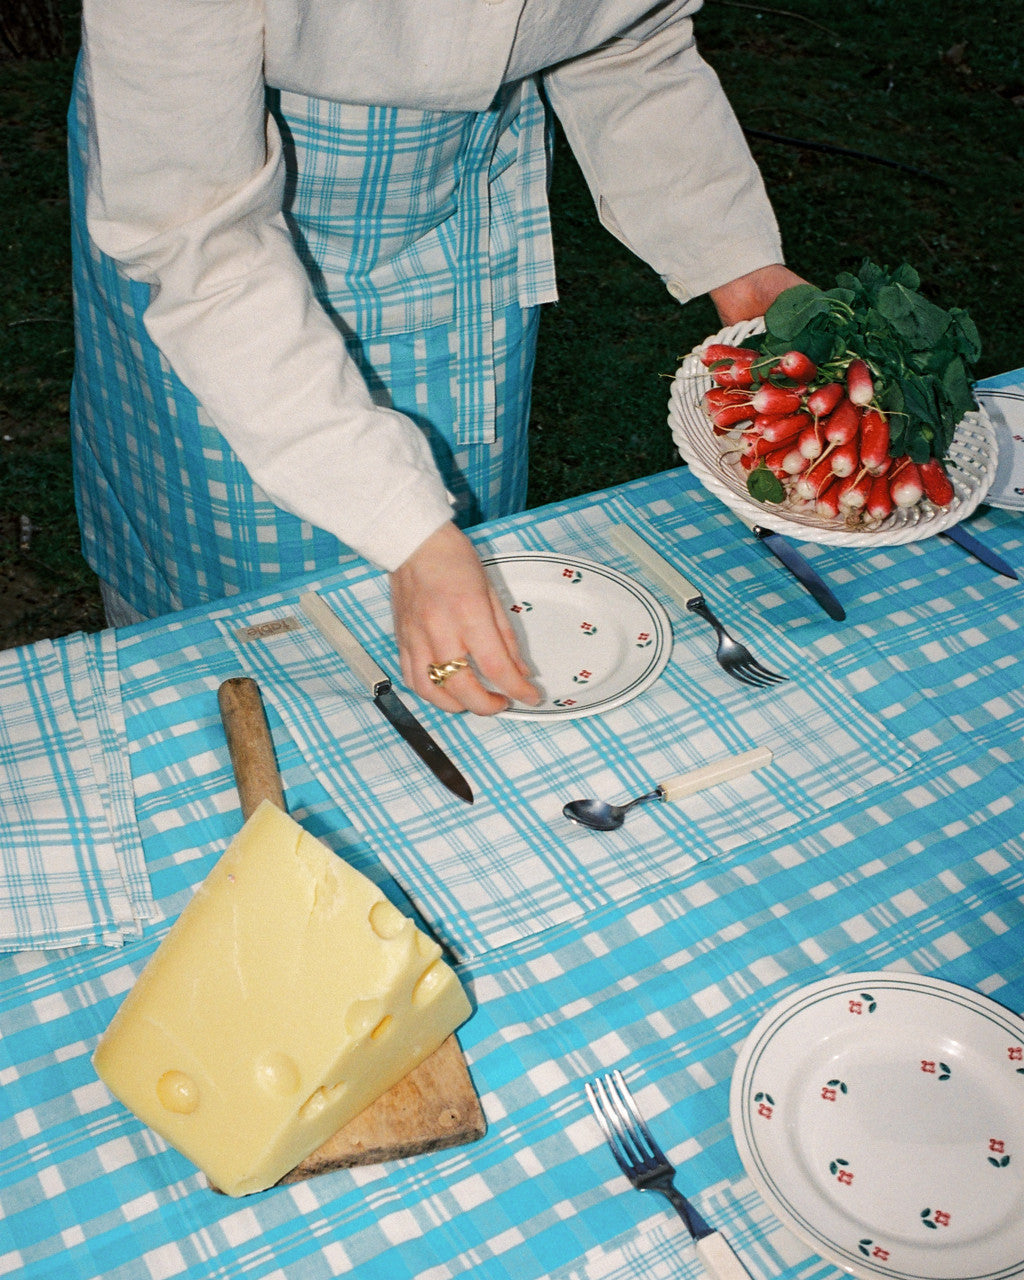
(513, 865)
(72, 871)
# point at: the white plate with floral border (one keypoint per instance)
(592, 637)
(881, 1116)
(715, 462)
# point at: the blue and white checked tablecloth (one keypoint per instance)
(922, 870)
(515, 865)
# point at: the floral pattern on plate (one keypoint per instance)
(592, 637)
(881, 1116)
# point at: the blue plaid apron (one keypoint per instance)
(435, 273)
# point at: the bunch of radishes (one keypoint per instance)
(812, 438)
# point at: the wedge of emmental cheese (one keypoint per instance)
(287, 996)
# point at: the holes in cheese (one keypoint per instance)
(177, 1092)
(431, 983)
(318, 1101)
(287, 996)
(361, 1017)
(386, 920)
(277, 1073)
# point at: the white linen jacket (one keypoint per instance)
(186, 181)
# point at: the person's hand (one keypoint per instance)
(751, 295)
(444, 608)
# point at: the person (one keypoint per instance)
(310, 245)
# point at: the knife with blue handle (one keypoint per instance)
(978, 549)
(798, 567)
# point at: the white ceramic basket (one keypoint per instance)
(972, 467)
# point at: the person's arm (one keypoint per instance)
(668, 165)
(185, 191)
(751, 295)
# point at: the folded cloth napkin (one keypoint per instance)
(72, 871)
(513, 865)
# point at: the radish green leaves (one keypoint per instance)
(920, 356)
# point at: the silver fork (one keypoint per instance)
(648, 1169)
(734, 657)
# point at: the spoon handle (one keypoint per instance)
(710, 775)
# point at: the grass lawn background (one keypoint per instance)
(930, 97)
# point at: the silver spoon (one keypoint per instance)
(599, 815)
(602, 816)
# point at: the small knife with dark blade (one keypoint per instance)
(798, 567)
(338, 636)
(978, 549)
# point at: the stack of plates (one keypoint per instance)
(1003, 400)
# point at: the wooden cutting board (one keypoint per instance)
(433, 1107)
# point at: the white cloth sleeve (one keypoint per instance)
(185, 187)
(664, 156)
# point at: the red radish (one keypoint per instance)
(776, 459)
(723, 351)
(844, 459)
(715, 397)
(756, 446)
(842, 423)
(854, 491)
(777, 401)
(825, 399)
(780, 429)
(859, 385)
(879, 503)
(874, 442)
(736, 374)
(795, 365)
(905, 486)
(794, 463)
(827, 502)
(811, 441)
(729, 415)
(814, 480)
(740, 371)
(937, 486)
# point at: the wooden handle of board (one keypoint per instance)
(250, 744)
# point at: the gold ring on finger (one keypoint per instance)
(439, 672)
